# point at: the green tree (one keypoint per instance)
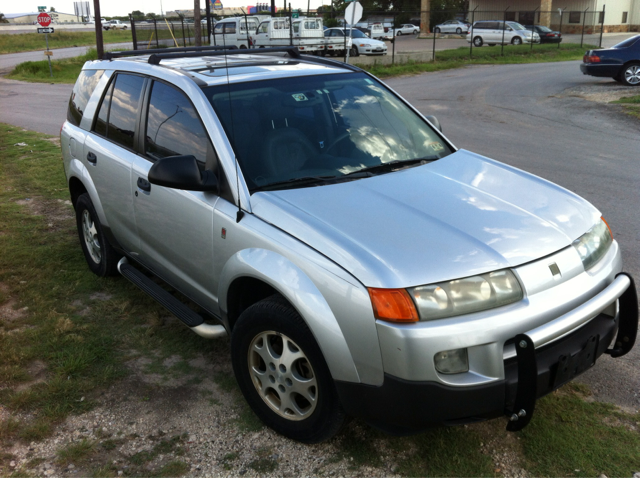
(137, 15)
(51, 9)
(150, 15)
(2, 19)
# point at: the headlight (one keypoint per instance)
(464, 296)
(594, 244)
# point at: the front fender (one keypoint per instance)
(290, 281)
(79, 171)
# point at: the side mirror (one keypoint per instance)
(509, 29)
(182, 172)
(434, 121)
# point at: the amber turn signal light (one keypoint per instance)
(393, 305)
(608, 226)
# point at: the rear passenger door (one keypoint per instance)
(109, 154)
(175, 227)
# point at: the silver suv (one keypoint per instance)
(362, 265)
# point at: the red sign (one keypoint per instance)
(44, 19)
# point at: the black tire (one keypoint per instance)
(491, 44)
(516, 41)
(274, 319)
(243, 47)
(459, 31)
(124, 27)
(101, 258)
(354, 51)
(630, 74)
(477, 42)
(436, 30)
(398, 34)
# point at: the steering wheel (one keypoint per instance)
(340, 137)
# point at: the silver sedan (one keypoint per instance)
(452, 26)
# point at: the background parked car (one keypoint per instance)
(547, 35)
(495, 32)
(452, 26)
(363, 44)
(114, 25)
(406, 29)
(620, 62)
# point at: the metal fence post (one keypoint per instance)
(584, 21)
(189, 34)
(433, 48)
(155, 27)
(561, 16)
(533, 27)
(601, 27)
(504, 26)
(184, 40)
(473, 16)
(133, 32)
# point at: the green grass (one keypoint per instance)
(60, 39)
(76, 452)
(64, 71)
(631, 105)
(449, 59)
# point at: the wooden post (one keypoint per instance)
(99, 43)
(197, 26)
(424, 16)
(545, 13)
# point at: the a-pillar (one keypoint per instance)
(545, 12)
(424, 16)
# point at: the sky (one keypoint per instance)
(124, 7)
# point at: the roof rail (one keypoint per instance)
(155, 58)
(327, 61)
(110, 55)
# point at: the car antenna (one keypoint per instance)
(240, 213)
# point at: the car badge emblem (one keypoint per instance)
(321, 144)
(555, 270)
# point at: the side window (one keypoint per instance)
(82, 91)
(218, 28)
(327, 33)
(103, 113)
(123, 112)
(296, 27)
(173, 125)
(229, 28)
(264, 27)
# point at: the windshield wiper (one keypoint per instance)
(302, 180)
(399, 163)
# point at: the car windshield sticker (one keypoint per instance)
(437, 147)
(299, 97)
(368, 81)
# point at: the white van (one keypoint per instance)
(305, 33)
(235, 31)
(495, 33)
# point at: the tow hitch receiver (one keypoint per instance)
(525, 400)
(628, 316)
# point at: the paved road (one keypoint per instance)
(513, 113)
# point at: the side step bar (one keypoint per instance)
(190, 318)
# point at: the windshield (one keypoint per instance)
(355, 33)
(627, 43)
(544, 29)
(516, 26)
(319, 126)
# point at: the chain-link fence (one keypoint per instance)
(409, 34)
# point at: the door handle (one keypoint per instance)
(144, 184)
(92, 158)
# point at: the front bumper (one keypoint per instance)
(403, 407)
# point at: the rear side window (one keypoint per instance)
(173, 125)
(627, 43)
(82, 91)
(229, 28)
(119, 110)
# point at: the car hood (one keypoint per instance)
(459, 216)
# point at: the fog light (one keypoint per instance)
(452, 361)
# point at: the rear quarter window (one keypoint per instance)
(82, 91)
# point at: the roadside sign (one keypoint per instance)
(42, 9)
(295, 15)
(45, 30)
(353, 13)
(44, 19)
(48, 53)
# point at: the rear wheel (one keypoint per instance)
(477, 41)
(282, 373)
(354, 51)
(516, 41)
(631, 75)
(398, 34)
(101, 258)
(243, 47)
(459, 31)
(436, 30)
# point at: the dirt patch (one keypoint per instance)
(56, 213)
(55, 140)
(600, 92)
(103, 296)
(8, 311)
(38, 373)
(503, 447)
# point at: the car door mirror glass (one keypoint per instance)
(182, 172)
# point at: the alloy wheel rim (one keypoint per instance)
(90, 235)
(283, 375)
(632, 75)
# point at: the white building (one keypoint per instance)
(619, 15)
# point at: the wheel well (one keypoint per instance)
(76, 188)
(243, 293)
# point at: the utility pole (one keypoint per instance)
(273, 8)
(197, 26)
(424, 16)
(99, 46)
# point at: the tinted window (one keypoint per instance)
(218, 28)
(173, 126)
(123, 112)
(229, 28)
(103, 113)
(81, 93)
(264, 27)
(627, 43)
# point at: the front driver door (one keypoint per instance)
(175, 227)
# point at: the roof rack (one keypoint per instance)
(110, 55)
(155, 58)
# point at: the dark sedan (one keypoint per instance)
(620, 62)
(547, 35)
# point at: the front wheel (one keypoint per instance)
(459, 31)
(354, 51)
(436, 30)
(477, 42)
(124, 28)
(282, 373)
(101, 258)
(631, 75)
(398, 34)
(516, 41)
